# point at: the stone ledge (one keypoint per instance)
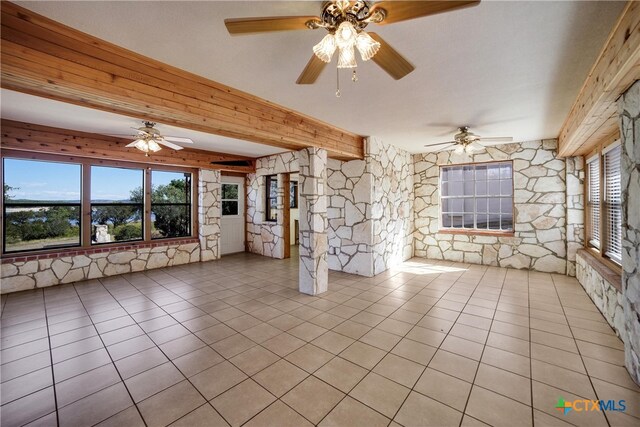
(8, 259)
(611, 276)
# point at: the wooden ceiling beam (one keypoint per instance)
(594, 112)
(44, 139)
(45, 58)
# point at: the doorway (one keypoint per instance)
(232, 223)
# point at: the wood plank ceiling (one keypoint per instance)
(48, 140)
(594, 116)
(45, 58)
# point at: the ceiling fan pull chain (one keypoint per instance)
(354, 77)
(338, 82)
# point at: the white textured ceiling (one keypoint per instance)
(505, 68)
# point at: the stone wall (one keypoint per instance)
(93, 264)
(391, 204)
(209, 214)
(629, 110)
(350, 231)
(266, 237)
(603, 294)
(575, 210)
(313, 272)
(539, 240)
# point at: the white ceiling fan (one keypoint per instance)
(466, 141)
(148, 139)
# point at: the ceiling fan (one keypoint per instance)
(148, 139)
(466, 141)
(345, 21)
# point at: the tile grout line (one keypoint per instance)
(579, 353)
(473, 383)
(112, 363)
(53, 375)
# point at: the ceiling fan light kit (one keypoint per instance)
(345, 21)
(149, 140)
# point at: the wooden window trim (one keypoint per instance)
(474, 232)
(597, 252)
(85, 238)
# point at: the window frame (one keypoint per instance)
(85, 200)
(4, 206)
(151, 203)
(222, 200)
(293, 200)
(475, 231)
(143, 219)
(599, 252)
(267, 193)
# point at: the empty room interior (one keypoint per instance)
(338, 213)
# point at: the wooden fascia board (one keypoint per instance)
(44, 139)
(615, 70)
(46, 58)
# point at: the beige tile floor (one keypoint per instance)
(232, 342)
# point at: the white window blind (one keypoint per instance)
(593, 202)
(612, 204)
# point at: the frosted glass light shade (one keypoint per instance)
(153, 146)
(324, 50)
(345, 35)
(141, 145)
(367, 46)
(459, 149)
(347, 57)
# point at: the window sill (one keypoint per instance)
(608, 270)
(105, 247)
(469, 232)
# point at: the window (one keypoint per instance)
(229, 199)
(593, 200)
(117, 204)
(41, 204)
(293, 195)
(271, 197)
(612, 203)
(170, 204)
(604, 210)
(477, 196)
(50, 203)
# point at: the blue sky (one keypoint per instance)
(61, 181)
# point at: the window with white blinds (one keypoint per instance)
(593, 200)
(612, 209)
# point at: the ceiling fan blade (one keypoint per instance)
(477, 146)
(497, 139)
(168, 144)
(440, 143)
(397, 11)
(178, 139)
(451, 147)
(390, 60)
(268, 24)
(311, 71)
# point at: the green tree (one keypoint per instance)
(6, 189)
(171, 221)
(115, 214)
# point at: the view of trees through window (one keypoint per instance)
(41, 204)
(170, 204)
(117, 204)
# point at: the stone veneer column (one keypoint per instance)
(575, 210)
(312, 202)
(209, 214)
(629, 110)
